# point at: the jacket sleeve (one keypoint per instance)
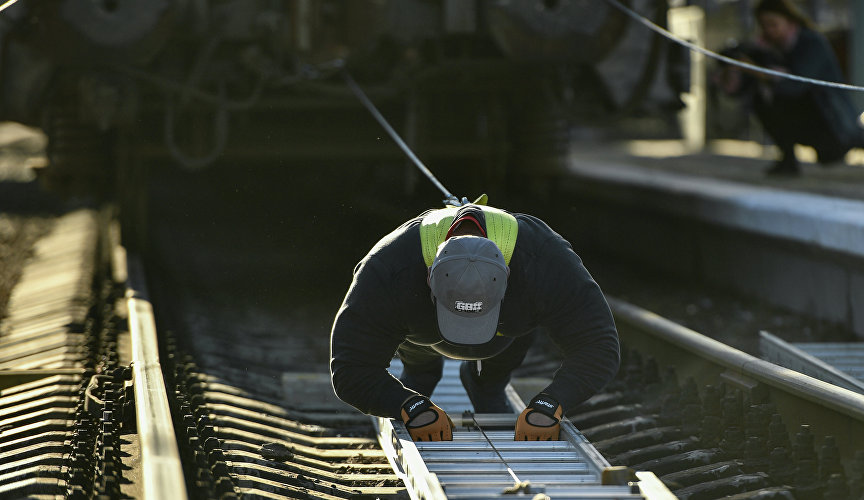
(364, 337)
(813, 58)
(575, 312)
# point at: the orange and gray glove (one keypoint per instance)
(540, 420)
(425, 421)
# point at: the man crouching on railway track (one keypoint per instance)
(495, 279)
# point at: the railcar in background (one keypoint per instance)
(490, 84)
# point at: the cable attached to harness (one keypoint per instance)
(449, 199)
(7, 4)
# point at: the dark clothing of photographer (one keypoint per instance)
(802, 113)
(794, 112)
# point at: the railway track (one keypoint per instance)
(80, 419)
(712, 421)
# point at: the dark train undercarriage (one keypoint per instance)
(485, 84)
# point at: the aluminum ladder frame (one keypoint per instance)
(469, 467)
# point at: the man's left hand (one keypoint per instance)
(540, 420)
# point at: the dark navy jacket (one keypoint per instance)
(813, 57)
(389, 302)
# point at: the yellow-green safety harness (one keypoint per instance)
(501, 228)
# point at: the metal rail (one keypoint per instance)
(828, 409)
(161, 470)
(470, 467)
(838, 363)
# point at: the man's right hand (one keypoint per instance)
(425, 421)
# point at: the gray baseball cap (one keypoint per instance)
(468, 279)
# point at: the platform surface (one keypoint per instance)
(726, 184)
(736, 161)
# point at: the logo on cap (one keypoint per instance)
(469, 306)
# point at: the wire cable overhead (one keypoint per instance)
(6, 4)
(735, 62)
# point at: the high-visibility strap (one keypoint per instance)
(501, 228)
